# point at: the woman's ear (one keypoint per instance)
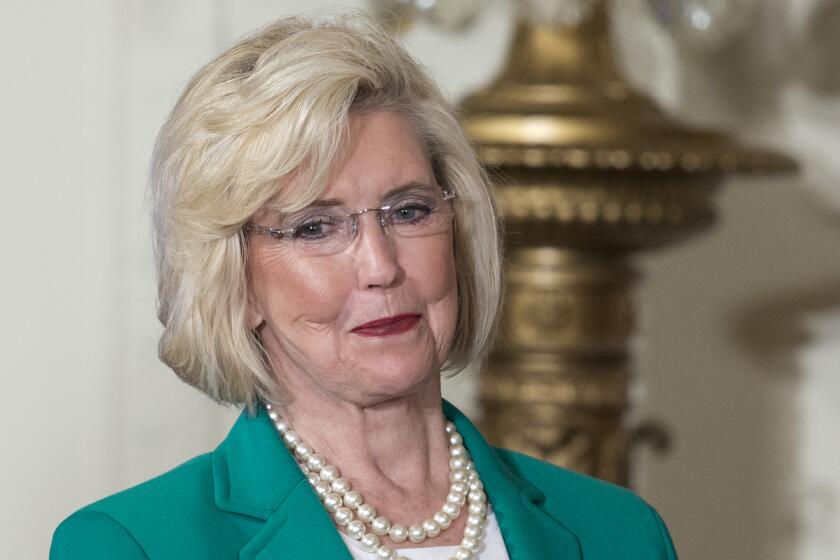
(253, 311)
(253, 314)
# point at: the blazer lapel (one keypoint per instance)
(300, 528)
(255, 475)
(529, 532)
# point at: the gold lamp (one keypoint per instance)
(588, 173)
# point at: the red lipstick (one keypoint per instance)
(388, 325)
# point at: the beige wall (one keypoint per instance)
(740, 350)
(740, 343)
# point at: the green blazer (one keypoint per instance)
(248, 500)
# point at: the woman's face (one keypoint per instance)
(314, 313)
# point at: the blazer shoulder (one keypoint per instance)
(125, 524)
(551, 480)
(187, 486)
(94, 535)
(596, 511)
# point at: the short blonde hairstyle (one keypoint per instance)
(274, 107)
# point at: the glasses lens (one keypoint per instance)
(327, 231)
(417, 215)
(324, 231)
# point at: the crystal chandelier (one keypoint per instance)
(809, 29)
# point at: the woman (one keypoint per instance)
(327, 247)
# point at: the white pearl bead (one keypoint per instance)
(457, 463)
(451, 509)
(353, 499)
(366, 513)
(356, 529)
(341, 485)
(472, 532)
(343, 516)
(455, 439)
(471, 468)
(443, 519)
(477, 496)
(332, 502)
(313, 478)
(328, 473)
(370, 542)
(450, 428)
(380, 526)
(302, 451)
(416, 533)
(291, 439)
(273, 414)
(453, 498)
(476, 485)
(282, 426)
(398, 533)
(431, 527)
(458, 475)
(385, 553)
(459, 488)
(478, 508)
(458, 451)
(471, 543)
(303, 468)
(463, 554)
(321, 488)
(475, 520)
(315, 462)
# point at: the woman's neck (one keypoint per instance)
(394, 452)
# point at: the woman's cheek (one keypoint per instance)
(318, 295)
(294, 290)
(437, 283)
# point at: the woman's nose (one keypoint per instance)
(377, 265)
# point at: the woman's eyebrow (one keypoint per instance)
(408, 187)
(323, 203)
(414, 185)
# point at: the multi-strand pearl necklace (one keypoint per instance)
(359, 519)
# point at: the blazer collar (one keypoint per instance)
(255, 475)
(529, 532)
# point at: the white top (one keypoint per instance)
(492, 546)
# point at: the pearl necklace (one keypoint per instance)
(342, 501)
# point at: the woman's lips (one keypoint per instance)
(388, 325)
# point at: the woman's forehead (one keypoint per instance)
(412, 187)
(382, 155)
(288, 201)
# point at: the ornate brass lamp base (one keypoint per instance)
(590, 173)
(557, 386)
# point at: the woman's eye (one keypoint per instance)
(410, 212)
(315, 229)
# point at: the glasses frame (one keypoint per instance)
(279, 233)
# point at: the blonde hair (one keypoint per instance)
(276, 106)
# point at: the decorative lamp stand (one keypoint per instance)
(588, 173)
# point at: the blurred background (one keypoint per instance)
(737, 348)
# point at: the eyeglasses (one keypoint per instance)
(327, 230)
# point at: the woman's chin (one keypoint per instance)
(387, 383)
